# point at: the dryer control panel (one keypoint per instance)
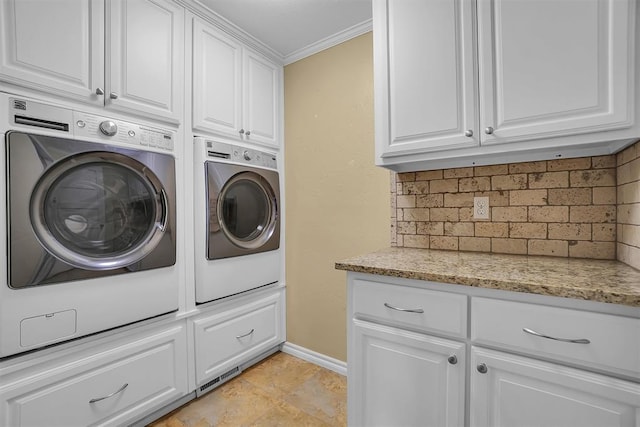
(240, 155)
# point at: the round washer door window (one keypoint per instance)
(99, 211)
(247, 210)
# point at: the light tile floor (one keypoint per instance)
(282, 390)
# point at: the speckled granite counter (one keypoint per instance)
(587, 279)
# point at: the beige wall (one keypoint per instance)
(337, 202)
(629, 206)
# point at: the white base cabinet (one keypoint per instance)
(232, 333)
(109, 384)
(547, 362)
(514, 391)
(405, 378)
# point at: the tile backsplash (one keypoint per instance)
(584, 208)
(628, 209)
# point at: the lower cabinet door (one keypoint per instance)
(112, 386)
(402, 378)
(226, 338)
(513, 391)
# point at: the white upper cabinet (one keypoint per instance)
(425, 77)
(145, 57)
(55, 46)
(463, 83)
(236, 92)
(58, 47)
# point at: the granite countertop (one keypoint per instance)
(587, 279)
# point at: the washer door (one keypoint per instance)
(247, 211)
(99, 210)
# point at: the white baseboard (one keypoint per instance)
(335, 365)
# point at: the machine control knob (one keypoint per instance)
(246, 155)
(108, 127)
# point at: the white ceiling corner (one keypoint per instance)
(296, 28)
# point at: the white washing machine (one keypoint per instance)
(237, 219)
(89, 225)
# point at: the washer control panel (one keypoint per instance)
(25, 113)
(121, 131)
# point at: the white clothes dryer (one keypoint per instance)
(90, 224)
(237, 219)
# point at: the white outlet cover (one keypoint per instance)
(481, 208)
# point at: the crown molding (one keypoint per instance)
(326, 43)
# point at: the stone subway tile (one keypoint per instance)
(435, 228)
(570, 196)
(443, 242)
(595, 250)
(604, 195)
(509, 246)
(430, 200)
(549, 214)
(528, 197)
(549, 180)
(593, 178)
(528, 230)
(429, 175)
(603, 232)
(444, 185)
(528, 167)
(405, 201)
(509, 214)
(457, 200)
(416, 214)
(458, 229)
(568, 231)
(444, 214)
(458, 173)
(491, 229)
(548, 247)
(482, 183)
(569, 164)
(509, 182)
(416, 241)
(474, 244)
(491, 170)
(604, 213)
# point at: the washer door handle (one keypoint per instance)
(162, 226)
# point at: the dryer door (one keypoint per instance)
(245, 212)
(99, 210)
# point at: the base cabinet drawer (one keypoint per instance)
(512, 391)
(228, 338)
(112, 387)
(415, 308)
(601, 341)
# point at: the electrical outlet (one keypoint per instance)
(481, 208)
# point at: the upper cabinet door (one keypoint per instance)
(146, 58)
(425, 77)
(217, 81)
(261, 99)
(554, 68)
(55, 46)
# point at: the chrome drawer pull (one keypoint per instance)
(120, 390)
(245, 335)
(538, 334)
(407, 310)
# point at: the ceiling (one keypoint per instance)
(296, 28)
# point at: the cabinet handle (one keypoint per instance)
(113, 95)
(453, 359)
(248, 133)
(245, 335)
(99, 91)
(468, 133)
(538, 334)
(407, 310)
(120, 390)
(482, 368)
(241, 131)
(488, 130)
